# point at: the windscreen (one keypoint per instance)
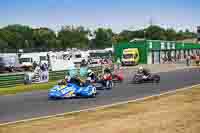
(78, 56)
(25, 59)
(127, 56)
(43, 58)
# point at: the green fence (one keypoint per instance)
(12, 80)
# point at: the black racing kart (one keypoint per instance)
(151, 78)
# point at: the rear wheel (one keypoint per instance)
(93, 95)
(11, 69)
(109, 85)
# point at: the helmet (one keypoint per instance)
(67, 77)
(89, 71)
(141, 68)
(62, 82)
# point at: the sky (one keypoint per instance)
(115, 14)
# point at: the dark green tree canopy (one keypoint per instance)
(21, 36)
(73, 37)
(103, 38)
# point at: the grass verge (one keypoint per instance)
(178, 113)
(26, 88)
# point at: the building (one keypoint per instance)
(157, 52)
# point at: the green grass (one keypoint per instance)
(26, 88)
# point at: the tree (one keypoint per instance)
(20, 36)
(126, 35)
(180, 35)
(188, 34)
(3, 44)
(76, 37)
(103, 38)
(155, 33)
(16, 35)
(170, 34)
(13, 39)
(44, 38)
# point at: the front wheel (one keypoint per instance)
(136, 80)
(156, 78)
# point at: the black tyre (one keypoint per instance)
(11, 69)
(109, 85)
(136, 80)
(156, 78)
(94, 95)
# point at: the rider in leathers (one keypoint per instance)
(144, 72)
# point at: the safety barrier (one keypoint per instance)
(12, 80)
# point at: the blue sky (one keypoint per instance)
(116, 14)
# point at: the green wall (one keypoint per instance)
(144, 46)
(169, 45)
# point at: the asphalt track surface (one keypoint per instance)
(37, 104)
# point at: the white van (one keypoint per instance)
(79, 56)
(27, 59)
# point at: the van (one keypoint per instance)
(130, 56)
(27, 59)
(79, 56)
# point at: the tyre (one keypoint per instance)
(136, 80)
(93, 95)
(156, 78)
(109, 85)
(11, 69)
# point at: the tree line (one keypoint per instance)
(22, 37)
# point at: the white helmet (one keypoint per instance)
(141, 68)
(90, 72)
(66, 77)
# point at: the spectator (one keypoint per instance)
(42, 67)
(188, 60)
(37, 73)
(83, 63)
(34, 65)
(118, 63)
(197, 60)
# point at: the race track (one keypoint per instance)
(36, 104)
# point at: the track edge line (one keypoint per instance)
(100, 107)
